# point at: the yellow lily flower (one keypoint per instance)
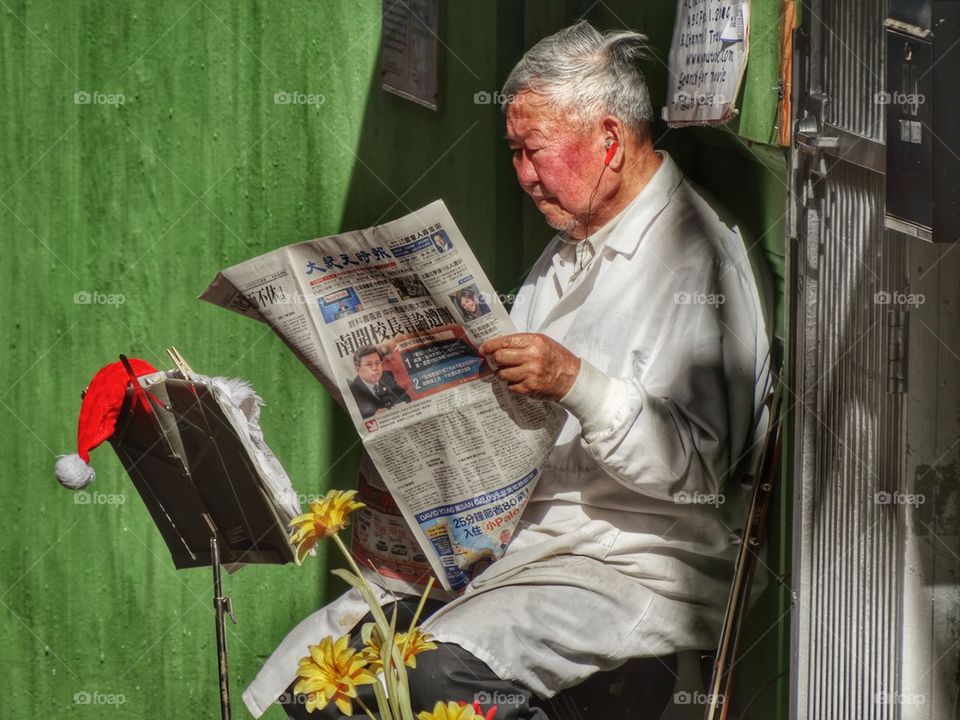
(332, 672)
(451, 711)
(410, 645)
(326, 517)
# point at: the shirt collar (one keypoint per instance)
(598, 238)
(630, 224)
(633, 221)
(581, 254)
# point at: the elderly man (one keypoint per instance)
(642, 319)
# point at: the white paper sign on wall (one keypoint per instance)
(708, 57)
(408, 50)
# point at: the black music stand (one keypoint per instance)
(202, 487)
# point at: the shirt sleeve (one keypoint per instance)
(667, 429)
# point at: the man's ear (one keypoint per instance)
(615, 135)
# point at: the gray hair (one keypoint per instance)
(587, 73)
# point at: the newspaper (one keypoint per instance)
(390, 320)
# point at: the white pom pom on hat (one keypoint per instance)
(98, 420)
(73, 472)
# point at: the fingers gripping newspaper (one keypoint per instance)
(390, 319)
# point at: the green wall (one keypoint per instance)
(196, 170)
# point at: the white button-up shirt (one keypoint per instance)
(626, 548)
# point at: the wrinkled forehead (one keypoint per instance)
(529, 113)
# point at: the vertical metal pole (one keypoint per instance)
(220, 603)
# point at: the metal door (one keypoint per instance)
(876, 554)
(848, 537)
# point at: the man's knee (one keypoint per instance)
(452, 674)
(449, 668)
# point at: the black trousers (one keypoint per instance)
(641, 690)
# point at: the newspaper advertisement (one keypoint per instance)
(390, 320)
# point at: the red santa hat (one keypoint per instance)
(99, 410)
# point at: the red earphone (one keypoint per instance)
(611, 151)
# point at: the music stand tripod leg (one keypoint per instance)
(222, 605)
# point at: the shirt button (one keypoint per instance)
(562, 264)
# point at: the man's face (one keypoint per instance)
(371, 368)
(557, 163)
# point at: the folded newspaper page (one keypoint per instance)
(390, 320)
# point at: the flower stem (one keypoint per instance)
(382, 704)
(364, 586)
(362, 704)
(423, 601)
(395, 673)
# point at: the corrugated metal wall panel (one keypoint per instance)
(853, 66)
(877, 547)
(851, 587)
(848, 626)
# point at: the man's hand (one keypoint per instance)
(533, 364)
